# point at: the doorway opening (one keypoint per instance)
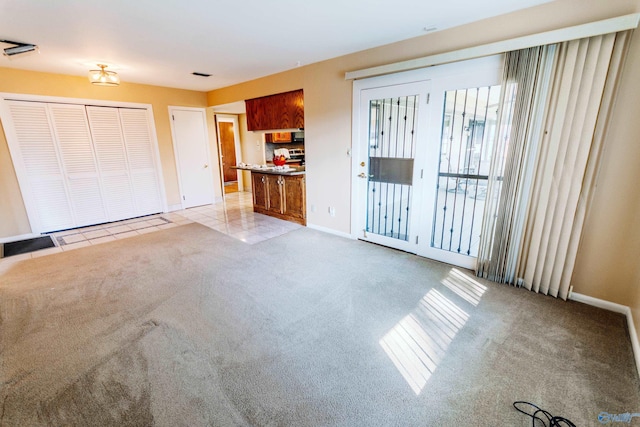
(230, 153)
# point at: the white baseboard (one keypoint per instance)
(600, 303)
(617, 308)
(330, 231)
(173, 208)
(16, 238)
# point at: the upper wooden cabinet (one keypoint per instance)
(280, 111)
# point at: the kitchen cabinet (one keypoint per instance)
(259, 191)
(274, 193)
(295, 204)
(277, 137)
(279, 111)
(280, 196)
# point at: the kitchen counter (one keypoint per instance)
(292, 171)
(279, 193)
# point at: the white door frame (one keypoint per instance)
(356, 128)
(230, 118)
(431, 73)
(360, 185)
(175, 147)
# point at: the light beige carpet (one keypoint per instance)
(189, 327)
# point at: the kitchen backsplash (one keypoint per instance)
(269, 147)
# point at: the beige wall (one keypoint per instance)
(610, 247)
(633, 285)
(606, 264)
(13, 219)
(252, 147)
(13, 215)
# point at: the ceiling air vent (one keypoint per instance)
(201, 74)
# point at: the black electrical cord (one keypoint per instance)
(548, 420)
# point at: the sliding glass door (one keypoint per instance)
(458, 182)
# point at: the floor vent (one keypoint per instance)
(26, 246)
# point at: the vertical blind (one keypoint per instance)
(553, 123)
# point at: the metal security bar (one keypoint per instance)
(392, 124)
(468, 128)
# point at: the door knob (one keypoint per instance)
(362, 175)
(206, 166)
(362, 164)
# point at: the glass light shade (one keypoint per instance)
(102, 77)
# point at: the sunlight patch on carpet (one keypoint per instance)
(464, 286)
(418, 343)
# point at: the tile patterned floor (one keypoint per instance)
(234, 217)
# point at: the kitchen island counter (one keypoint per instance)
(279, 193)
(292, 171)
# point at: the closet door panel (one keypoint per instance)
(113, 164)
(37, 161)
(86, 200)
(79, 163)
(52, 204)
(82, 165)
(142, 164)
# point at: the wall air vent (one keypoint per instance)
(201, 74)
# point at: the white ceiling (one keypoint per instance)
(161, 42)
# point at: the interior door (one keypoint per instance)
(38, 166)
(111, 154)
(390, 129)
(79, 163)
(192, 155)
(228, 148)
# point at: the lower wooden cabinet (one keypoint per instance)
(281, 196)
(259, 191)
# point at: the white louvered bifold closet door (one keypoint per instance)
(79, 163)
(142, 165)
(84, 165)
(112, 160)
(40, 165)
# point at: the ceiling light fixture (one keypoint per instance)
(103, 77)
(18, 48)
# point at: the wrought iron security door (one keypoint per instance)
(391, 156)
(391, 138)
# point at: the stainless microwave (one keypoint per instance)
(297, 136)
